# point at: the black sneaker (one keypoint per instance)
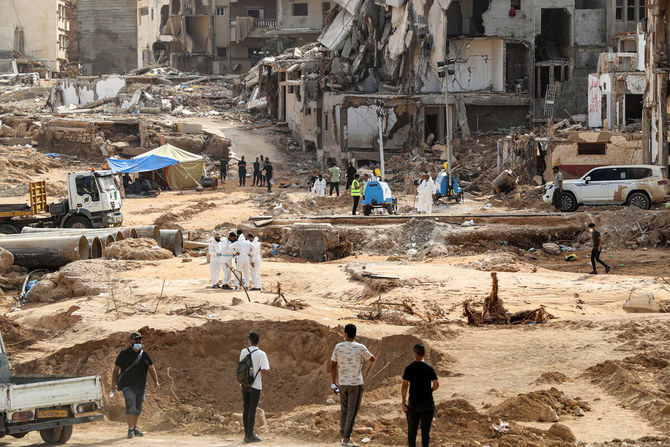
(607, 269)
(252, 438)
(593, 273)
(131, 432)
(226, 287)
(136, 432)
(216, 286)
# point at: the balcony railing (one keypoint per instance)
(261, 23)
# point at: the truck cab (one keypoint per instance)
(93, 200)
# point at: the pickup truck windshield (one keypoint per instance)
(106, 183)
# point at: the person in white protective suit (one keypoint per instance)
(319, 188)
(425, 194)
(215, 259)
(255, 259)
(227, 253)
(242, 250)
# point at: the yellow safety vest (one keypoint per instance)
(355, 188)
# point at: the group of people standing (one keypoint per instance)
(318, 183)
(262, 171)
(244, 252)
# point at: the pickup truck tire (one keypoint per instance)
(568, 202)
(639, 200)
(78, 222)
(51, 435)
(8, 229)
(65, 434)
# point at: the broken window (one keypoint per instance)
(325, 7)
(300, 9)
(516, 4)
(633, 105)
(593, 149)
(517, 64)
(454, 19)
(256, 13)
(221, 51)
(630, 10)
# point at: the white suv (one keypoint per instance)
(634, 185)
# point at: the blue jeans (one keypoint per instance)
(134, 396)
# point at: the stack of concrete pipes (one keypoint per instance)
(55, 247)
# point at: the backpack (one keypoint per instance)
(245, 371)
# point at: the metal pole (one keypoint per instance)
(380, 113)
(447, 112)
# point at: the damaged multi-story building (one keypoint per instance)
(34, 35)
(231, 36)
(509, 63)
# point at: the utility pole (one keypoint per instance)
(444, 69)
(381, 114)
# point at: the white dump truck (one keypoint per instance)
(50, 405)
(93, 201)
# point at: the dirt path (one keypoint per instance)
(248, 141)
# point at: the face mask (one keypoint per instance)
(137, 346)
(591, 230)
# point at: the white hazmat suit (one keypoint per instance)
(226, 260)
(256, 263)
(425, 191)
(215, 260)
(242, 249)
(319, 188)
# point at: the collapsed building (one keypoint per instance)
(507, 64)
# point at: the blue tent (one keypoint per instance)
(141, 164)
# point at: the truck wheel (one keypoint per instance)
(639, 200)
(51, 435)
(568, 202)
(8, 229)
(367, 210)
(389, 209)
(78, 222)
(65, 434)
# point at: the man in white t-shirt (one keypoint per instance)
(251, 395)
(347, 371)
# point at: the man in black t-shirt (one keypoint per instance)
(257, 173)
(242, 171)
(130, 376)
(597, 248)
(421, 379)
(268, 174)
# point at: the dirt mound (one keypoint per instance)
(631, 227)
(551, 377)
(168, 221)
(79, 278)
(498, 262)
(136, 250)
(298, 351)
(641, 381)
(20, 165)
(543, 406)
(16, 337)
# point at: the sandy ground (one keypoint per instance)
(617, 361)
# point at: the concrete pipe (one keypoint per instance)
(88, 232)
(150, 232)
(96, 248)
(129, 233)
(173, 241)
(44, 251)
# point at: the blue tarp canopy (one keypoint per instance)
(141, 164)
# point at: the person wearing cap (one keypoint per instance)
(252, 394)
(130, 376)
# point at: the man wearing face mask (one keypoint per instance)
(130, 376)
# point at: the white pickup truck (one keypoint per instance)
(50, 405)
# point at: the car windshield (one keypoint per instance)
(106, 183)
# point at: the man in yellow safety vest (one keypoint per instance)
(355, 192)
